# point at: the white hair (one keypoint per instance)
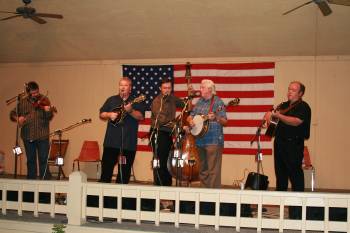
(209, 84)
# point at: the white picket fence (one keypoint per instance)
(77, 189)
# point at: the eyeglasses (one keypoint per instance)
(34, 92)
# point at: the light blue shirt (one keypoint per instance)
(215, 134)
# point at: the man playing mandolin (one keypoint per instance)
(294, 117)
(211, 144)
(120, 141)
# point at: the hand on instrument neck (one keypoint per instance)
(211, 116)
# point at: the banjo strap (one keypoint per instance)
(211, 104)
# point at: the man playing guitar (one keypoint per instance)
(294, 117)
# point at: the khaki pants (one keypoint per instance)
(210, 169)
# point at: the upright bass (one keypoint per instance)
(183, 162)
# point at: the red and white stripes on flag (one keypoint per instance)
(252, 83)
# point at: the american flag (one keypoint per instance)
(252, 83)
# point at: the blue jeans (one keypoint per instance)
(42, 147)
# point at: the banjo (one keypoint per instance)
(201, 122)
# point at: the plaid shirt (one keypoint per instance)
(215, 134)
(36, 126)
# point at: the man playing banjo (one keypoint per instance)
(210, 144)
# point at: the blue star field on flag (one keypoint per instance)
(147, 80)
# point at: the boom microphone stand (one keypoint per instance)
(258, 156)
(154, 141)
(16, 149)
(258, 184)
(177, 160)
(59, 157)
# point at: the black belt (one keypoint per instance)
(290, 139)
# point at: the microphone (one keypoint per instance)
(86, 120)
(26, 87)
(165, 96)
(58, 131)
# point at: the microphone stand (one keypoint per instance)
(59, 157)
(177, 159)
(154, 145)
(16, 149)
(259, 155)
(121, 157)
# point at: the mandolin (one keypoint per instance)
(121, 110)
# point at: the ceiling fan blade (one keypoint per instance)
(37, 19)
(287, 12)
(324, 7)
(340, 2)
(11, 12)
(56, 16)
(10, 17)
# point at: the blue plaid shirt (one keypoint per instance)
(215, 134)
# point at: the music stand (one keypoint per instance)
(57, 153)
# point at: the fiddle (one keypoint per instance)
(41, 101)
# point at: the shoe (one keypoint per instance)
(166, 205)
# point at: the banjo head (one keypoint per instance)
(199, 123)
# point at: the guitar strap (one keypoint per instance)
(290, 107)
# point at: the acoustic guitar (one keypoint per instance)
(273, 121)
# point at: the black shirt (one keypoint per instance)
(302, 111)
(126, 130)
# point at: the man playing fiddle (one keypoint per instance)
(34, 117)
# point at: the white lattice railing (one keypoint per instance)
(77, 190)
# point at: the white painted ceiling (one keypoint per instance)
(147, 29)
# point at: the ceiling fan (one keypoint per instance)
(30, 12)
(323, 5)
